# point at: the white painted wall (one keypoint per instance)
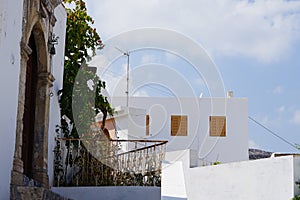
(233, 147)
(296, 174)
(10, 37)
(186, 157)
(173, 185)
(109, 193)
(183, 156)
(132, 120)
(127, 119)
(1, 13)
(271, 178)
(57, 71)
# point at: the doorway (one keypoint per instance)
(29, 109)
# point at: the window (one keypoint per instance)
(178, 125)
(217, 126)
(147, 124)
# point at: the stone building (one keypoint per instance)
(29, 49)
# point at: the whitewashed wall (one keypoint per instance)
(10, 37)
(109, 193)
(271, 178)
(1, 13)
(57, 71)
(233, 147)
(296, 175)
(173, 186)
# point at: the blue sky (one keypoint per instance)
(254, 44)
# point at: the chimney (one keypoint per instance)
(229, 94)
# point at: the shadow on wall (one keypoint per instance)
(109, 192)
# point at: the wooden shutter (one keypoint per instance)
(217, 126)
(179, 125)
(147, 124)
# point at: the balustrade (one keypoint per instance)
(95, 162)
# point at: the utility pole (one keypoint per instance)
(127, 74)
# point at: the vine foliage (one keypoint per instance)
(82, 40)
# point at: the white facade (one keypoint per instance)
(57, 71)
(128, 120)
(10, 37)
(173, 186)
(270, 178)
(208, 149)
(10, 55)
(109, 193)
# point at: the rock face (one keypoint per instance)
(258, 154)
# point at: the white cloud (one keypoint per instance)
(115, 81)
(272, 122)
(170, 57)
(281, 109)
(266, 121)
(278, 90)
(263, 29)
(148, 58)
(140, 93)
(116, 85)
(296, 117)
(199, 82)
(124, 68)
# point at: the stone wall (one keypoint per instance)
(36, 193)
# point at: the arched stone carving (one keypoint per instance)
(38, 20)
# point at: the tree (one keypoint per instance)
(81, 41)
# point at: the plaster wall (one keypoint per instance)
(233, 147)
(1, 13)
(173, 187)
(296, 174)
(109, 193)
(57, 71)
(10, 37)
(132, 119)
(271, 178)
(128, 119)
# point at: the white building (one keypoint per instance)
(269, 178)
(26, 29)
(194, 145)
(215, 129)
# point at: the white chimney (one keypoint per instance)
(229, 94)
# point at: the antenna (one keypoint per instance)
(127, 78)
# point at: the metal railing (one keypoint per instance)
(98, 162)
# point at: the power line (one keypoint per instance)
(159, 90)
(164, 92)
(255, 121)
(273, 133)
